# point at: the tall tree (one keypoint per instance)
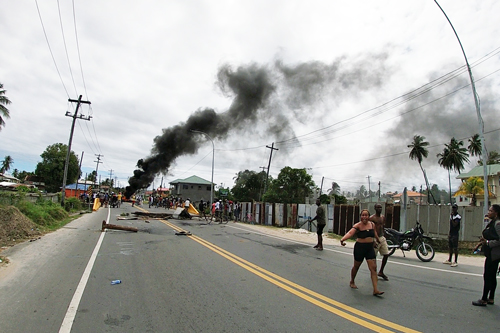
(361, 193)
(52, 167)
(418, 152)
(291, 186)
(6, 164)
(471, 187)
(248, 185)
(493, 158)
(453, 157)
(4, 112)
(335, 189)
(475, 147)
(92, 176)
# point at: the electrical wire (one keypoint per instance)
(78, 49)
(50, 49)
(65, 47)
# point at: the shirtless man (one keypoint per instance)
(382, 248)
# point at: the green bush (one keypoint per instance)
(44, 213)
(72, 204)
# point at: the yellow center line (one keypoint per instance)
(303, 292)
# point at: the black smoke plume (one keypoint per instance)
(273, 94)
(251, 87)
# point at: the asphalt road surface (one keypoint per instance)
(222, 278)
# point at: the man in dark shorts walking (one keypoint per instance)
(381, 248)
(455, 219)
(320, 217)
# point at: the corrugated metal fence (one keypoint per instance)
(340, 218)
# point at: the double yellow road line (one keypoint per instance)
(369, 321)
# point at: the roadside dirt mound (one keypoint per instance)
(15, 227)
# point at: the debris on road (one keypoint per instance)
(117, 227)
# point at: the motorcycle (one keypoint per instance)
(408, 239)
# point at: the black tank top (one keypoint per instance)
(365, 233)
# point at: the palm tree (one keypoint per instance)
(444, 161)
(4, 112)
(493, 158)
(335, 189)
(453, 157)
(6, 164)
(475, 147)
(471, 187)
(418, 152)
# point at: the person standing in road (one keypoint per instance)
(382, 247)
(363, 249)
(320, 217)
(455, 219)
(490, 243)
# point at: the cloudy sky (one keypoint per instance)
(340, 87)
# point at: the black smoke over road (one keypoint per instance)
(269, 95)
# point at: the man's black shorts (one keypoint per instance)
(319, 229)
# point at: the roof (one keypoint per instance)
(410, 194)
(81, 187)
(9, 184)
(492, 170)
(6, 176)
(191, 180)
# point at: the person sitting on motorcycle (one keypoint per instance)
(364, 249)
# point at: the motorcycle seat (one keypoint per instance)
(393, 232)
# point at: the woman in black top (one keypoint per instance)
(364, 249)
(490, 243)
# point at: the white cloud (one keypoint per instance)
(149, 65)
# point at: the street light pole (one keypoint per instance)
(484, 153)
(213, 157)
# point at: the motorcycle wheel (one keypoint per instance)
(425, 254)
(389, 243)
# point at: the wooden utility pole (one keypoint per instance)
(269, 165)
(74, 116)
(97, 168)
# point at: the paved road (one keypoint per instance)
(224, 278)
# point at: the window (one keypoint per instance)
(192, 186)
(185, 187)
(209, 188)
(199, 187)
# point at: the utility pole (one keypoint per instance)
(74, 116)
(379, 193)
(369, 190)
(321, 188)
(110, 177)
(269, 165)
(97, 167)
(260, 191)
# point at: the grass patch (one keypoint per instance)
(44, 213)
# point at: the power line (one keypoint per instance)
(65, 48)
(78, 49)
(50, 49)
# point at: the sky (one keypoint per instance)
(339, 87)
